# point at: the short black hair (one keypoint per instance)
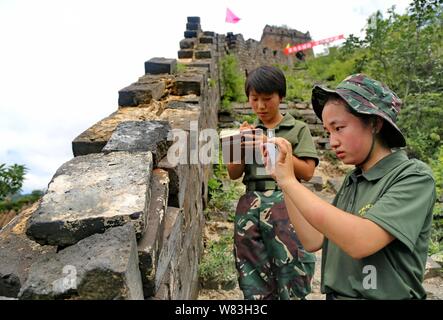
(266, 79)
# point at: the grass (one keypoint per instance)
(218, 266)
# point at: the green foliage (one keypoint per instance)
(436, 244)
(21, 201)
(405, 51)
(232, 82)
(181, 67)
(249, 118)
(223, 193)
(437, 168)
(218, 264)
(11, 179)
(297, 89)
(336, 66)
(421, 121)
(212, 83)
(222, 197)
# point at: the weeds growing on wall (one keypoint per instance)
(232, 81)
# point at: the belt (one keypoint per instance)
(262, 185)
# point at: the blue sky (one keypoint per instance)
(62, 62)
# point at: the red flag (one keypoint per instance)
(231, 17)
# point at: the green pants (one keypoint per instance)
(270, 259)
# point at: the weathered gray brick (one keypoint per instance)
(136, 136)
(151, 243)
(160, 65)
(100, 267)
(92, 193)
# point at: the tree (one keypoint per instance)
(11, 179)
(406, 50)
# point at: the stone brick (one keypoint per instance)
(163, 292)
(100, 267)
(94, 139)
(181, 119)
(182, 105)
(172, 243)
(185, 54)
(433, 269)
(179, 175)
(136, 136)
(151, 243)
(140, 93)
(203, 54)
(191, 26)
(184, 272)
(160, 65)
(85, 197)
(187, 84)
(192, 99)
(18, 253)
(188, 43)
(206, 40)
(190, 34)
(203, 63)
(322, 143)
(81, 147)
(316, 129)
(193, 19)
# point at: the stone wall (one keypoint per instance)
(277, 38)
(269, 50)
(252, 54)
(120, 220)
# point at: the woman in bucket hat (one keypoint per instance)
(375, 235)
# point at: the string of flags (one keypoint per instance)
(231, 17)
(310, 44)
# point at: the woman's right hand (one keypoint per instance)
(249, 137)
(246, 126)
(284, 167)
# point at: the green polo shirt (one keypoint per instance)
(398, 194)
(297, 133)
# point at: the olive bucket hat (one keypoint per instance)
(366, 96)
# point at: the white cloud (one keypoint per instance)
(63, 62)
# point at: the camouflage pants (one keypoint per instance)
(270, 259)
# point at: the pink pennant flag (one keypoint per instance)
(231, 17)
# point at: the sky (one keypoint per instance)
(62, 62)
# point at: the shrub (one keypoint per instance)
(232, 82)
